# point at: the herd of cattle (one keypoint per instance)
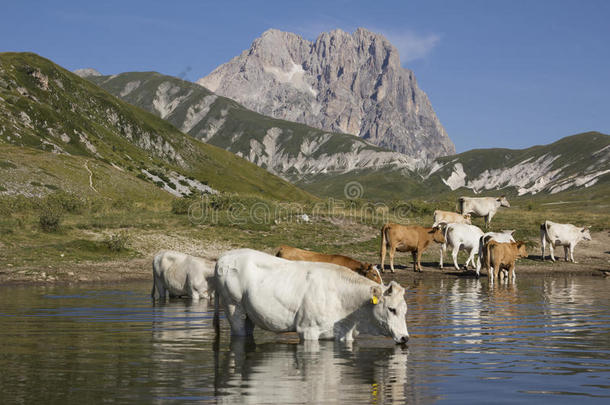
(324, 296)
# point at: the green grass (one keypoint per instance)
(65, 105)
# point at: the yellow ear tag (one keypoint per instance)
(374, 300)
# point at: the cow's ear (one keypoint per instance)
(375, 294)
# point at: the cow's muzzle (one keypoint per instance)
(402, 340)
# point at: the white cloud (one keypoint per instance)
(411, 45)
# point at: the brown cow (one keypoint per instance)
(365, 269)
(408, 238)
(502, 256)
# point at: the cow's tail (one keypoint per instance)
(154, 286)
(544, 231)
(384, 242)
(488, 255)
(279, 251)
(216, 321)
(459, 206)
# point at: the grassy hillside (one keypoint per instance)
(45, 107)
(289, 149)
(575, 166)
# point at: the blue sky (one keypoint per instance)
(498, 73)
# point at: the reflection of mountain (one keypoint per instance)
(314, 372)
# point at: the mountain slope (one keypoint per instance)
(291, 150)
(575, 161)
(45, 107)
(351, 83)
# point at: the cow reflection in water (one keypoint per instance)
(181, 320)
(312, 372)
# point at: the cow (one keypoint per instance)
(408, 238)
(482, 206)
(181, 274)
(566, 235)
(448, 217)
(504, 236)
(315, 300)
(462, 236)
(502, 256)
(364, 269)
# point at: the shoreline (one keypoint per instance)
(140, 269)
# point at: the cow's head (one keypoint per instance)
(369, 271)
(390, 310)
(468, 219)
(437, 234)
(521, 249)
(586, 235)
(503, 201)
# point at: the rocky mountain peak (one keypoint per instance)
(340, 82)
(86, 72)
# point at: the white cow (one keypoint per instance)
(182, 274)
(462, 236)
(448, 217)
(505, 236)
(566, 235)
(316, 300)
(482, 206)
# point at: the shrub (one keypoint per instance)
(117, 242)
(50, 217)
(68, 202)
(123, 203)
(180, 206)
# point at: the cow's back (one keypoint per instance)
(277, 293)
(463, 233)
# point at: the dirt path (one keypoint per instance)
(90, 176)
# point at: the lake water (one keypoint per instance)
(544, 340)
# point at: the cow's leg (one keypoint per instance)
(543, 245)
(496, 270)
(454, 255)
(566, 253)
(513, 276)
(392, 252)
(572, 245)
(311, 333)
(382, 254)
(552, 250)
(443, 248)
(414, 256)
(489, 217)
(419, 260)
(161, 290)
(471, 258)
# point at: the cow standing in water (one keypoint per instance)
(505, 236)
(408, 238)
(315, 300)
(364, 269)
(566, 235)
(502, 256)
(482, 206)
(181, 274)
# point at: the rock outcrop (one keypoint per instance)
(341, 82)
